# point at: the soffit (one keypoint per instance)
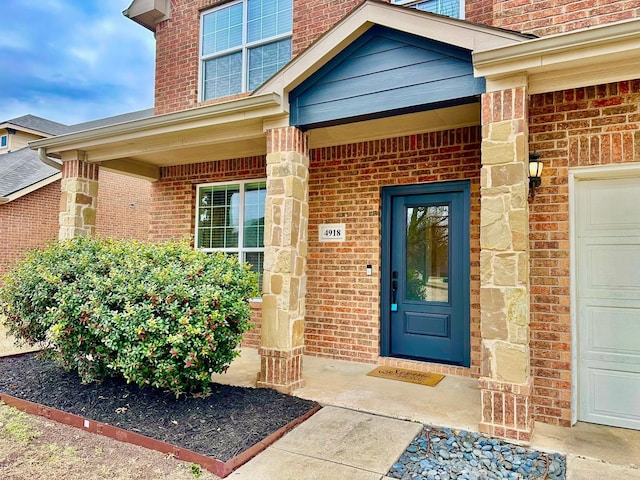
(397, 126)
(148, 13)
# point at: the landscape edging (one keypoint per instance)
(215, 466)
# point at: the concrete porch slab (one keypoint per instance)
(454, 402)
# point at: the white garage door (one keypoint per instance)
(608, 288)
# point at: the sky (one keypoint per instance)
(72, 61)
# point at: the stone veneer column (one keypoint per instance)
(285, 257)
(506, 382)
(78, 201)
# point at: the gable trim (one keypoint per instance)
(451, 31)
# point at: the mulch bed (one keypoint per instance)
(221, 426)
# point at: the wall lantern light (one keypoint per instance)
(535, 173)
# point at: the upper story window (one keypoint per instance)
(230, 218)
(3, 141)
(243, 44)
(450, 8)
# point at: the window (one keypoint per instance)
(450, 8)
(3, 141)
(230, 218)
(243, 44)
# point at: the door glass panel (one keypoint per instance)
(427, 248)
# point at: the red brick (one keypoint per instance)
(551, 329)
(546, 18)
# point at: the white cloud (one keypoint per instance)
(14, 40)
(73, 61)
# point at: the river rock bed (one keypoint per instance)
(446, 454)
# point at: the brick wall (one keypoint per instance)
(549, 17)
(28, 222)
(123, 206)
(342, 318)
(581, 127)
(343, 304)
(312, 18)
(178, 57)
(177, 39)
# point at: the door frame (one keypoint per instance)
(577, 174)
(388, 193)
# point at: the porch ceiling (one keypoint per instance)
(401, 125)
(235, 139)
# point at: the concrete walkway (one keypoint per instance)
(368, 422)
(334, 443)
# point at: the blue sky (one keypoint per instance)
(72, 61)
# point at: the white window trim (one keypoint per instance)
(239, 250)
(244, 48)
(6, 140)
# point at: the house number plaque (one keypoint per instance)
(332, 232)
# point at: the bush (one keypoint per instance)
(162, 315)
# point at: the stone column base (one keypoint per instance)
(506, 410)
(280, 369)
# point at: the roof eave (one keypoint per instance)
(567, 55)
(14, 126)
(215, 113)
(148, 13)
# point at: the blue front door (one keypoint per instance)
(425, 272)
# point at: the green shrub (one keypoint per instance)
(162, 315)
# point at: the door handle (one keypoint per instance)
(394, 291)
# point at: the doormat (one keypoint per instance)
(404, 375)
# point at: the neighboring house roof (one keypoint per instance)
(50, 128)
(22, 172)
(36, 124)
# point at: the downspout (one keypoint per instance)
(42, 155)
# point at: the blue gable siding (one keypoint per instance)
(385, 72)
